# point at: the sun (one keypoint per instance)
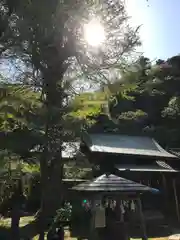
(94, 33)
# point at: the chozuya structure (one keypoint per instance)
(113, 202)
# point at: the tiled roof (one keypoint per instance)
(124, 144)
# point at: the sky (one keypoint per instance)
(160, 30)
(160, 27)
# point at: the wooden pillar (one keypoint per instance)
(92, 225)
(143, 225)
(164, 183)
(176, 199)
(165, 195)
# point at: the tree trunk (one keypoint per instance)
(15, 213)
(51, 165)
(41, 235)
(15, 218)
(52, 195)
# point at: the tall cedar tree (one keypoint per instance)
(48, 36)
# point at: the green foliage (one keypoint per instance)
(88, 104)
(76, 172)
(136, 115)
(63, 215)
(19, 110)
(30, 168)
(18, 104)
(144, 100)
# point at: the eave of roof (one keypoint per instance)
(126, 145)
(111, 183)
(158, 166)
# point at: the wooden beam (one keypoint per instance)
(92, 224)
(176, 200)
(143, 225)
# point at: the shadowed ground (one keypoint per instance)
(28, 228)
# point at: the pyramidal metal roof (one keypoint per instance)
(111, 183)
(127, 145)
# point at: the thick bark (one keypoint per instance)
(51, 165)
(43, 181)
(15, 213)
(15, 218)
(52, 195)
